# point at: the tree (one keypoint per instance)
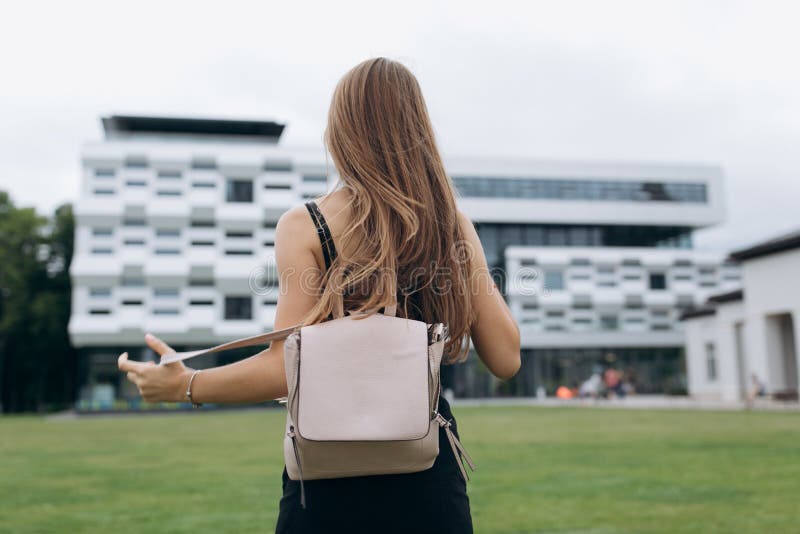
(37, 362)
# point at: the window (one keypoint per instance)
(658, 281)
(101, 250)
(202, 243)
(133, 222)
(166, 292)
(201, 282)
(238, 234)
(580, 261)
(319, 178)
(278, 187)
(238, 308)
(204, 163)
(239, 191)
(634, 302)
(554, 280)
(100, 292)
(168, 193)
(103, 192)
(577, 189)
(136, 183)
(167, 251)
(98, 311)
(711, 362)
(609, 322)
(277, 165)
(133, 282)
(199, 302)
(104, 173)
(136, 162)
(102, 232)
(169, 175)
(134, 242)
(131, 302)
(204, 185)
(582, 302)
(555, 313)
(239, 252)
(168, 232)
(165, 311)
(203, 224)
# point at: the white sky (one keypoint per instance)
(709, 82)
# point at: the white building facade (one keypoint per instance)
(175, 229)
(752, 332)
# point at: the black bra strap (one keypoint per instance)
(324, 233)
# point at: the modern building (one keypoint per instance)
(751, 332)
(598, 262)
(176, 220)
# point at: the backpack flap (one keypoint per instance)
(362, 379)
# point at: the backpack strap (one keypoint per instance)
(260, 339)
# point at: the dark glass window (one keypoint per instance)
(658, 281)
(571, 189)
(277, 165)
(168, 232)
(239, 191)
(238, 308)
(204, 163)
(609, 322)
(554, 280)
(136, 162)
(238, 234)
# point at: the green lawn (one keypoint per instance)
(539, 470)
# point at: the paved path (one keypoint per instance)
(641, 402)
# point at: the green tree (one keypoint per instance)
(37, 362)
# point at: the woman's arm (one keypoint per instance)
(494, 333)
(260, 377)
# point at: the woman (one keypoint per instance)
(392, 220)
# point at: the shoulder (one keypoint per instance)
(294, 220)
(294, 232)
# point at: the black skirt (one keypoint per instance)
(434, 500)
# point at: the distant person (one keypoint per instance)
(629, 381)
(613, 382)
(387, 233)
(757, 389)
(592, 386)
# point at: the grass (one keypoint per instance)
(539, 470)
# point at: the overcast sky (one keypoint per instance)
(708, 82)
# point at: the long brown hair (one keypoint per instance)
(405, 238)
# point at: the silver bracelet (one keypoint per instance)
(189, 390)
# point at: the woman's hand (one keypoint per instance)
(157, 383)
